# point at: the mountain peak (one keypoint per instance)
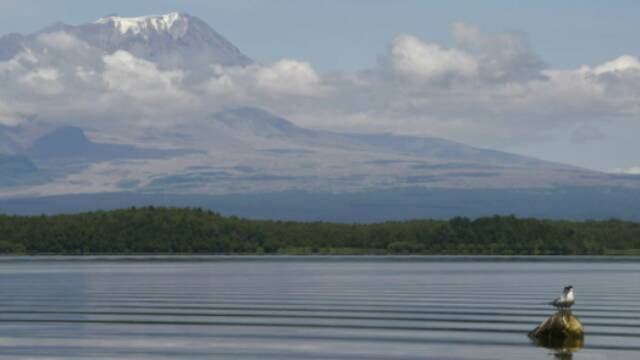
(173, 40)
(174, 23)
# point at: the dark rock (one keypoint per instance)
(562, 332)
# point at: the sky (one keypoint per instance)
(561, 101)
(563, 33)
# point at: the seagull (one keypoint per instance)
(566, 300)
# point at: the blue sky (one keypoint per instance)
(586, 116)
(349, 35)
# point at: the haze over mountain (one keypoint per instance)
(137, 124)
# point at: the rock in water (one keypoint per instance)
(562, 331)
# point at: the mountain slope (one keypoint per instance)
(19, 171)
(249, 150)
(259, 123)
(71, 144)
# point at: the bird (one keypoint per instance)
(566, 299)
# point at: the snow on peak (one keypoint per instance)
(174, 23)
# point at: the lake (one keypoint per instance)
(310, 307)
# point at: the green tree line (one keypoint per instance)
(174, 230)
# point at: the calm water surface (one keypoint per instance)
(309, 308)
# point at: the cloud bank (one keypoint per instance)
(486, 89)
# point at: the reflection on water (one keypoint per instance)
(564, 348)
(310, 308)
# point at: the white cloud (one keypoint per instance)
(412, 58)
(502, 57)
(622, 63)
(290, 77)
(618, 83)
(286, 77)
(58, 40)
(43, 81)
(18, 63)
(504, 94)
(141, 80)
(86, 74)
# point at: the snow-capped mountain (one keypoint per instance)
(157, 68)
(175, 24)
(170, 40)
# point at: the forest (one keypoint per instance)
(154, 230)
